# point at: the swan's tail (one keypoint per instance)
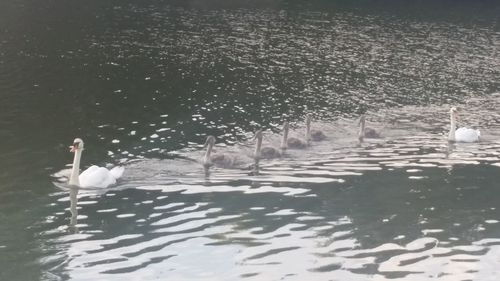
(117, 172)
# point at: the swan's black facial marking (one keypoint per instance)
(75, 145)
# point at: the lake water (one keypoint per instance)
(143, 84)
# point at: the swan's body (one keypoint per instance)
(314, 135)
(317, 135)
(461, 134)
(218, 159)
(296, 143)
(94, 176)
(268, 152)
(99, 176)
(366, 132)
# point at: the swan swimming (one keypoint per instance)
(314, 135)
(366, 132)
(218, 159)
(94, 176)
(266, 152)
(461, 134)
(295, 143)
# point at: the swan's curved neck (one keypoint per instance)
(284, 140)
(75, 171)
(453, 127)
(256, 154)
(361, 133)
(308, 131)
(258, 147)
(206, 159)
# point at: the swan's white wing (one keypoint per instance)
(96, 176)
(467, 135)
(89, 171)
(117, 172)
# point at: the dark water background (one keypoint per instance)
(148, 80)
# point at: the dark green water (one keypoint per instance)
(145, 82)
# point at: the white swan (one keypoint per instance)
(366, 132)
(94, 176)
(461, 134)
(314, 135)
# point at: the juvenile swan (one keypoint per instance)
(266, 152)
(296, 143)
(94, 176)
(366, 132)
(218, 159)
(461, 134)
(314, 135)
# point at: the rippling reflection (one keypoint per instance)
(146, 82)
(73, 196)
(410, 206)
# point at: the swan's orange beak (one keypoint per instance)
(73, 147)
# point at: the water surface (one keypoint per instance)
(144, 83)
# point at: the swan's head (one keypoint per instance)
(286, 126)
(210, 141)
(362, 120)
(454, 110)
(77, 145)
(308, 118)
(258, 135)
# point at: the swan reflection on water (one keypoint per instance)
(73, 198)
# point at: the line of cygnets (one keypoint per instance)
(268, 152)
(222, 160)
(101, 177)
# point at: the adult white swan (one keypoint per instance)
(94, 176)
(461, 134)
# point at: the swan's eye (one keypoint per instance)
(75, 145)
